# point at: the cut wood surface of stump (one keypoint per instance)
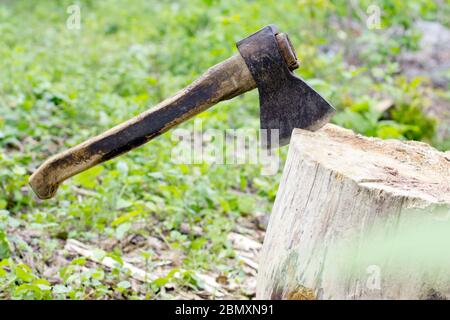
(358, 218)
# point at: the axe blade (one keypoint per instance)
(286, 101)
(295, 105)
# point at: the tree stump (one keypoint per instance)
(358, 218)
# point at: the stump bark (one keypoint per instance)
(358, 218)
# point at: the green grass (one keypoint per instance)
(59, 87)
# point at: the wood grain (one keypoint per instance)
(358, 218)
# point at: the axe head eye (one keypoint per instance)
(286, 101)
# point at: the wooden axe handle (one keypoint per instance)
(221, 82)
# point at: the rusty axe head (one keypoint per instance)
(286, 101)
(265, 61)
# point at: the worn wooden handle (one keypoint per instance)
(223, 81)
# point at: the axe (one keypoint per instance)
(265, 61)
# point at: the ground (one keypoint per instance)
(192, 230)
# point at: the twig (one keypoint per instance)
(136, 273)
(83, 250)
(84, 192)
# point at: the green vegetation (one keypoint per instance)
(59, 87)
